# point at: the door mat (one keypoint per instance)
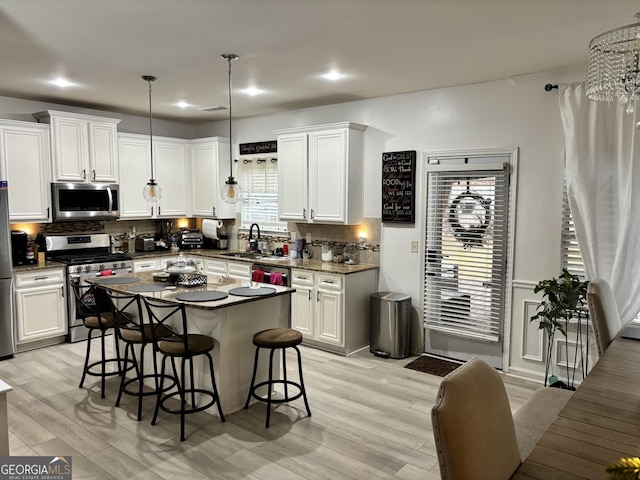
(432, 365)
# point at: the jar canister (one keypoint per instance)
(327, 252)
(351, 255)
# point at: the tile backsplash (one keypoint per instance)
(338, 234)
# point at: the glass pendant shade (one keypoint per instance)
(230, 191)
(152, 191)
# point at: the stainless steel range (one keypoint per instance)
(85, 256)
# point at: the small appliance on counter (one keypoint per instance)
(145, 243)
(213, 229)
(189, 239)
(20, 249)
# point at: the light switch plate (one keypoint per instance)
(414, 246)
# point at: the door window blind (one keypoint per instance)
(259, 181)
(466, 238)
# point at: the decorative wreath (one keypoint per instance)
(470, 216)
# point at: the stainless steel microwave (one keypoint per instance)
(84, 201)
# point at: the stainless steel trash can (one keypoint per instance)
(390, 325)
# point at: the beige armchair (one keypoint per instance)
(603, 312)
(476, 436)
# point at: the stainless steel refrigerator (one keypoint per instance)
(6, 278)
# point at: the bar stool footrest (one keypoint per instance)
(288, 398)
(107, 374)
(187, 393)
(152, 390)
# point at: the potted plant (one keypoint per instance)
(563, 298)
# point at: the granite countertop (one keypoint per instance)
(29, 268)
(284, 262)
(170, 292)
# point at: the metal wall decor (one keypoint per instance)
(470, 217)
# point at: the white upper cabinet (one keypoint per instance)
(135, 172)
(320, 173)
(293, 200)
(210, 168)
(24, 163)
(84, 148)
(171, 165)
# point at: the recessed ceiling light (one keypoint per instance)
(252, 91)
(182, 104)
(62, 82)
(333, 75)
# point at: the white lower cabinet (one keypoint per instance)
(239, 270)
(332, 311)
(153, 264)
(215, 268)
(40, 307)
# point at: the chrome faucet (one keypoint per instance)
(253, 244)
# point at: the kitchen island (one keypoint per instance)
(231, 321)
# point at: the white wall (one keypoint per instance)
(503, 114)
(23, 110)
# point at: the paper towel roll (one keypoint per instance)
(210, 228)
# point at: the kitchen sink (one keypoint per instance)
(249, 255)
(253, 256)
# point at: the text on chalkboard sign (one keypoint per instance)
(398, 182)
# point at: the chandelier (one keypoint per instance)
(613, 70)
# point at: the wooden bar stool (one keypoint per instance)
(184, 346)
(136, 334)
(93, 307)
(275, 339)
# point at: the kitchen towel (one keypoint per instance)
(210, 228)
(257, 276)
(276, 279)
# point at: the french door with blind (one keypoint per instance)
(467, 225)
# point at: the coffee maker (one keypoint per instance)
(19, 247)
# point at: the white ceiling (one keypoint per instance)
(384, 47)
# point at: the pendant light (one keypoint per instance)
(152, 191)
(230, 191)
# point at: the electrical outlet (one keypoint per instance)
(308, 239)
(414, 246)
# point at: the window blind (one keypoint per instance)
(570, 250)
(259, 182)
(466, 238)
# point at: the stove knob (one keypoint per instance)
(78, 269)
(115, 264)
(87, 268)
(123, 264)
(101, 266)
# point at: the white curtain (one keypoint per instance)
(603, 181)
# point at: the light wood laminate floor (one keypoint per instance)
(370, 420)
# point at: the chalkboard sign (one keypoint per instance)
(270, 146)
(398, 193)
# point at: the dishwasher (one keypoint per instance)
(271, 275)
